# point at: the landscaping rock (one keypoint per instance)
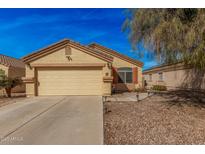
(168, 118)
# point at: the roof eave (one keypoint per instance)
(44, 50)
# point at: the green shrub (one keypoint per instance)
(159, 88)
(2, 72)
(8, 83)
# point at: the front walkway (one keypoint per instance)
(127, 96)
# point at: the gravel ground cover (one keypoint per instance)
(169, 118)
(15, 97)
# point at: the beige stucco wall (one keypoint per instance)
(14, 73)
(29, 86)
(77, 57)
(177, 78)
(59, 57)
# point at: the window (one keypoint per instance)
(150, 77)
(125, 75)
(161, 76)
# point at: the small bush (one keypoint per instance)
(159, 88)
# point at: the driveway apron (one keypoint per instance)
(53, 120)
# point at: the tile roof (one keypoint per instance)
(165, 67)
(115, 53)
(10, 61)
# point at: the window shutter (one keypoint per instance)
(135, 75)
(115, 75)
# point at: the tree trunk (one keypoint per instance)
(8, 92)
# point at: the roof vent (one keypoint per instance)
(68, 51)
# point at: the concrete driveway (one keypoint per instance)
(53, 120)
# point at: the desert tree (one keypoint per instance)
(173, 35)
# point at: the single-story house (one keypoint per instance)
(69, 68)
(175, 76)
(13, 68)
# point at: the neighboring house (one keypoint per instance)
(175, 76)
(13, 68)
(69, 68)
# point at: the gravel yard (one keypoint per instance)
(170, 118)
(15, 97)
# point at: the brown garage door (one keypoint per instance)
(68, 81)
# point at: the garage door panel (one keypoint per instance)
(70, 81)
